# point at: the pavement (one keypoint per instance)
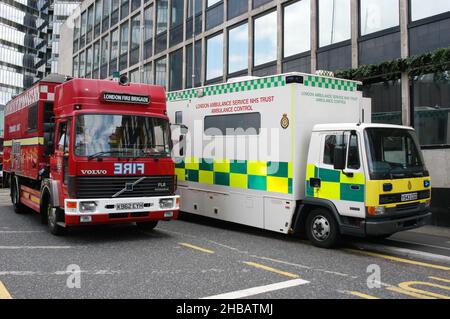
(201, 258)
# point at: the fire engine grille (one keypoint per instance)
(107, 187)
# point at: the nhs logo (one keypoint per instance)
(129, 169)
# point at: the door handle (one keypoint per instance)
(355, 187)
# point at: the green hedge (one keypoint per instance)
(434, 62)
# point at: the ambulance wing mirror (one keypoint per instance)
(339, 157)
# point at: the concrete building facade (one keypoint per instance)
(185, 43)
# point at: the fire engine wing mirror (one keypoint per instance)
(339, 157)
(183, 128)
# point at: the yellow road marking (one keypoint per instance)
(362, 295)
(197, 248)
(408, 293)
(4, 294)
(280, 272)
(398, 259)
(440, 279)
(407, 286)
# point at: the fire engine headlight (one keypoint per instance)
(166, 203)
(376, 211)
(88, 207)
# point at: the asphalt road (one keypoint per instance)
(200, 258)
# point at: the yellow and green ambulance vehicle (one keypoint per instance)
(296, 153)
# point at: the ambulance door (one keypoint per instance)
(344, 188)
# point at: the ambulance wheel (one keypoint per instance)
(147, 225)
(54, 215)
(322, 228)
(19, 208)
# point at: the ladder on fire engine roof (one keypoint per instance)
(55, 78)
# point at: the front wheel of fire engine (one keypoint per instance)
(322, 228)
(147, 225)
(53, 218)
(19, 208)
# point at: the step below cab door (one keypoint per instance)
(345, 188)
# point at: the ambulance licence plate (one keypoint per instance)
(409, 197)
(129, 206)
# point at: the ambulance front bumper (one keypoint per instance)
(101, 206)
(390, 227)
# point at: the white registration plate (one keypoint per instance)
(129, 206)
(409, 197)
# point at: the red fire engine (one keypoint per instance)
(83, 152)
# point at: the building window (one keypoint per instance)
(123, 57)
(258, 3)
(124, 9)
(421, 9)
(161, 16)
(89, 62)
(104, 58)
(214, 13)
(214, 57)
(114, 12)
(96, 62)
(135, 4)
(297, 17)
(265, 39)
(83, 29)
(334, 21)
(98, 17)
(105, 14)
(176, 24)
(375, 17)
(386, 101)
(135, 39)
(75, 67)
(431, 102)
(134, 76)
(236, 8)
(148, 75)
(82, 63)
(238, 49)
(197, 66)
(114, 51)
(90, 24)
(176, 70)
(198, 18)
(148, 32)
(233, 124)
(177, 12)
(160, 72)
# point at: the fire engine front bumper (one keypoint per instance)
(120, 210)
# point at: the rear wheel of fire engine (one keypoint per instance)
(147, 225)
(53, 217)
(322, 228)
(19, 208)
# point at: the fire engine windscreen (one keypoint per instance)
(394, 153)
(121, 136)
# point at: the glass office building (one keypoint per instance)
(184, 43)
(29, 42)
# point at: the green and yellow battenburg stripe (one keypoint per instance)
(273, 177)
(330, 83)
(225, 88)
(335, 185)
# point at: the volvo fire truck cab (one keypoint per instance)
(277, 153)
(85, 152)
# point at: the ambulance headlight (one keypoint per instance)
(166, 203)
(376, 211)
(88, 207)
